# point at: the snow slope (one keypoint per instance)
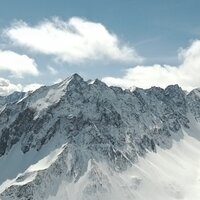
(168, 175)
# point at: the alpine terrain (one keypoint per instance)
(83, 140)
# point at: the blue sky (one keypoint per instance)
(156, 30)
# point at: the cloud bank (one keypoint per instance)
(73, 41)
(6, 87)
(17, 64)
(187, 74)
(78, 40)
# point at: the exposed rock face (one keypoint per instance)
(95, 124)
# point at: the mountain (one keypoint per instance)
(12, 98)
(83, 140)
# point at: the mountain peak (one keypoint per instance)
(76, 77)
(173, 88)
(100, 83)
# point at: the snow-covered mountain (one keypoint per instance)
(10, 99)
(81, 140)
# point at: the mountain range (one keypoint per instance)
(83, 140)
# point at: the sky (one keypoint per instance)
(121, 42)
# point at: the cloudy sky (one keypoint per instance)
(125, 43)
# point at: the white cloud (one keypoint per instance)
(6, 87)
(17, 64)
(72, 41)
(186, 74)
(52, 70)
